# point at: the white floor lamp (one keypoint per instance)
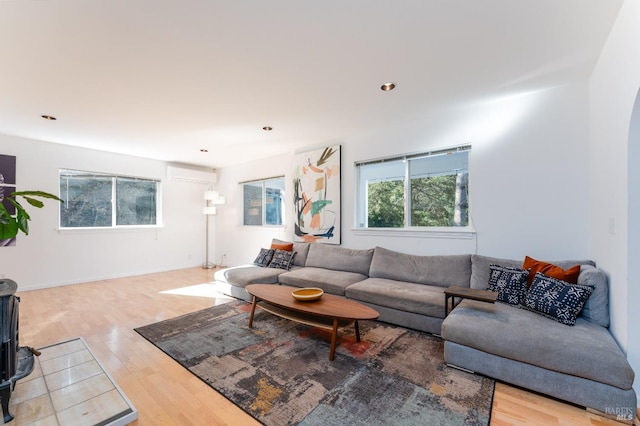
(212, 198)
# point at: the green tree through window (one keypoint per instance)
(421, 190)
(433, 201)
(386, 204)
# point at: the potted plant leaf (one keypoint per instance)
(11, 224)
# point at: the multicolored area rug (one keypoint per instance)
(279, 371)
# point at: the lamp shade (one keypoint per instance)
(211, 195)
(208, 210)
(219, 200)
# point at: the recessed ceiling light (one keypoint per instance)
(204, 150)
(49, 117)
(267, 128)
(388, 86)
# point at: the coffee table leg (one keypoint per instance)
(357, 331)
(253, 310)
(334, 338)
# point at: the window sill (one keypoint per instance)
(110, 229)
(466, 233)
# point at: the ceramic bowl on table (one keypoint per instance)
(307, 294)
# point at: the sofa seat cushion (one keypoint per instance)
(331, 281)
(243, 275)
(404, 296)
(585, 350)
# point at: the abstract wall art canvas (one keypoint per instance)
(316, 196)
(7, 186)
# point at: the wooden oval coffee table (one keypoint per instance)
(330, 312)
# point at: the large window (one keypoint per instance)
(419, 190)
(264, 202)
(96, 200)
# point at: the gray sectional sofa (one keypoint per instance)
(581, 364)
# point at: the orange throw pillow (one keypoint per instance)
(569, 275)
(285, 247)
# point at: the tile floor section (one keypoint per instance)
(69, 387)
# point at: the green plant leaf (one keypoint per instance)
(34, 202)
(22, 219)
(10, 225)
(8, 230)
(4, 214)
(19, 209)
(41, 194)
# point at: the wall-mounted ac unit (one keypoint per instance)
(183, 174)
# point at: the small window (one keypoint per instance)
(264, 202)
(96, 200)
(419, 190)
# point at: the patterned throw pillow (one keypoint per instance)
(264, 257)
(556, 299)
(282, 259)
(510, 283)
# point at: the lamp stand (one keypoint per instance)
(207, 264)
(211, 199)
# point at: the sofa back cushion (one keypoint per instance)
(301, 251)
(596, 310)
(339, 258)
(480, 267)
(442, 271)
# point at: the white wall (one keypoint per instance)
(613, 89)
(48, 257)
(633, 336)
(240, 244)
(528, 169)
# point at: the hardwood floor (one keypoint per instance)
(105, 313)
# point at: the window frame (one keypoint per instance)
(263, 204)
(114, 211)
(361, 201)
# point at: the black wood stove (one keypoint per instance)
(16, 362)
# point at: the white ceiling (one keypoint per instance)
(164, 78)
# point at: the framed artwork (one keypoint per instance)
(7, 186)
(316, 196)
